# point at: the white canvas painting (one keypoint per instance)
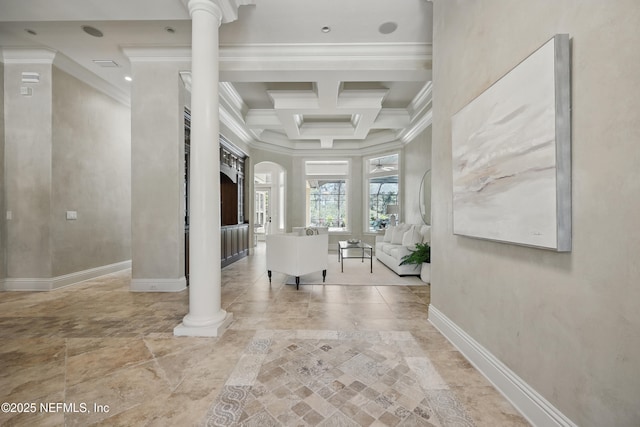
(506, 180)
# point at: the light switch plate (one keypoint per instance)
(71, 215)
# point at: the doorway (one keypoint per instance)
(269, 192)
(262, 220)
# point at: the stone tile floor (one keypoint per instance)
(307, 377)
(322, 355)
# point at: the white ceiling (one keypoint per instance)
(290, 84)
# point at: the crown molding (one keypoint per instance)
(50, 57)
(230, 110)
(76, 70)
(415, 57)
(146, 53)
(306, 149)
(421, 101)
(268, 54)
(236, 126)
(313, 50)
(417, 127)
(421, 114)
(230, 95)
(383, 140)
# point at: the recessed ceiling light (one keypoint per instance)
(325, 29)
(92, 31)
(388, 27)
(30, 31)
(169, 30)
(128, 78)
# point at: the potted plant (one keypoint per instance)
(420, 256)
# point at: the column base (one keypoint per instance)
(214, 330)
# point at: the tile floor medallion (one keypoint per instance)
(334, 378)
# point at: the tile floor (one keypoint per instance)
(97, 354)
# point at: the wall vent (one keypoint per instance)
(29, 77)
(106, 63)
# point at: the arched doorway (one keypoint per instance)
(269, 188)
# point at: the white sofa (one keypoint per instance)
(297, 254)
(399, 241)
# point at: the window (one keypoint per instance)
(327, 197)
(383, 188)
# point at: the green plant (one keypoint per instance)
(421, 254)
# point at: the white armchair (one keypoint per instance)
(297, 255)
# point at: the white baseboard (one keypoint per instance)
(158, 285)
(49, 284)
(535, 408)
(29, 285)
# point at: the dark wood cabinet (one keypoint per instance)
(234, 233)
(234, 243)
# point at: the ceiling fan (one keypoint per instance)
(379, 167)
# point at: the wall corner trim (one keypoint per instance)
(158, 285)
(49, 284)
(535, 408)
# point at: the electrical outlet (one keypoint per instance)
(71, 215)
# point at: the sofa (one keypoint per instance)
(399, 241)
(297, 254)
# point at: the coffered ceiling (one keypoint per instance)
(297, 74)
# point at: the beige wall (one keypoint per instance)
(566, 323)
(3, 240)
(66, 149)
(158, 98)
(417, 160)
(91, 174)
(28, 136)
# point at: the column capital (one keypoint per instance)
(225, 10)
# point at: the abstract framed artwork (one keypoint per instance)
(511, 155)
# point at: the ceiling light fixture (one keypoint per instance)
(379, 167)
(387, 27)
(30, 31)
(92, 31)
(325, 29)
(128, 78)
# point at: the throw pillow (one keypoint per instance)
(398, 234)
(310, 231)
(411, 237)
(388, 234)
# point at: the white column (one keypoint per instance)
(206, 317)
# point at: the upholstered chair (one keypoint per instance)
(296, 255)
